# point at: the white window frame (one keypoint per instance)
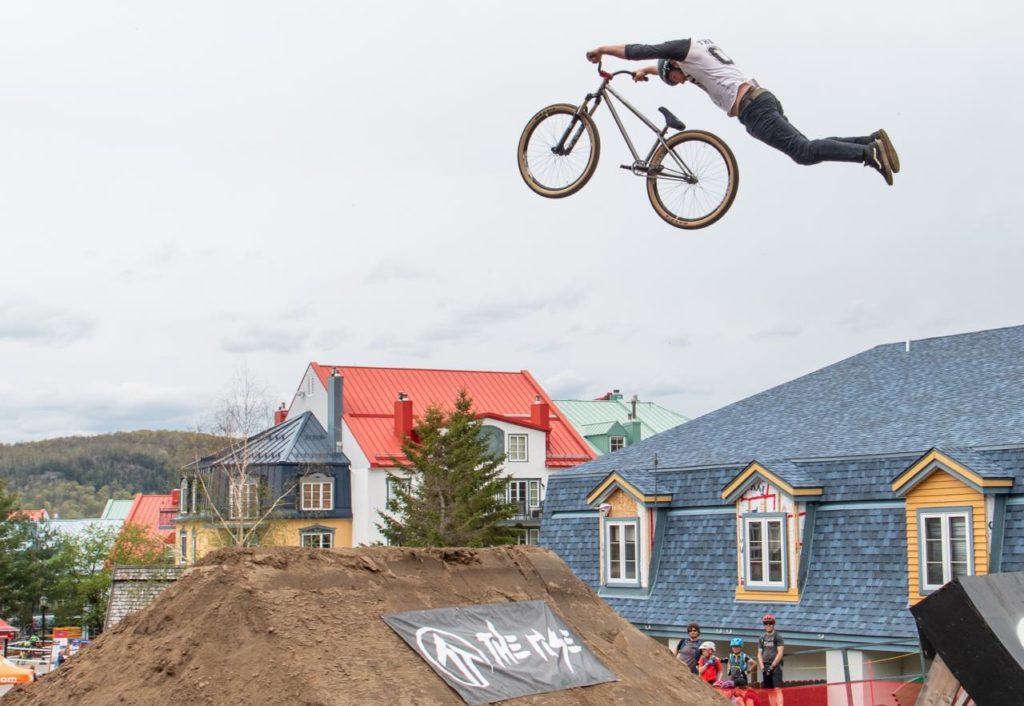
(517, 457)
(388, 481)
(183, 547)
(532, 493)
(943, 515)
(249, 497)
(765, 520)
(620, 527)
(183, 500)
(322, 499)
(320, 538)
(529, 536)
(613, 439)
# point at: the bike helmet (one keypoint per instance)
(736, 642)
(664, 66)
(707, 645)
(768, 618)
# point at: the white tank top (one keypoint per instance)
(707, 66)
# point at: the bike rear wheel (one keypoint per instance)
(558, 151)
(693, 183)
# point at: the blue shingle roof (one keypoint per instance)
(983, 465)
(965, 390)
(1013, 539)
(298, 440)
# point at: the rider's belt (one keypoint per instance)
(749, 97)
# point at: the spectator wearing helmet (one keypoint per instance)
(770, 650)
(709, 667)
(688, 649)
(703, 63)
(727, 687)
(739, 664)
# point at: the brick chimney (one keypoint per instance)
(403, 416)
(540, 413)
(176, 496)
(280, 414)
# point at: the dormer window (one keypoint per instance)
(317, 493)
(621, 546)
(764, 550)
(183, 500)
(616, 442)
(945, 546)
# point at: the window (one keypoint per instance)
(616, 442)
(495, 439)
(621, 551)
(317, 493)
(945, 547)
(528, 536)
(765, 552)
(183, 501)
(317, 539)
(517, 447)
(183, 552)
(245, 499)
(525, 495)
(405, 483)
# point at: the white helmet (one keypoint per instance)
(707, 645)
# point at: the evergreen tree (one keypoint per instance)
(452, 490)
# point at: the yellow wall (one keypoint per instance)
(941, 490)
(279, 533)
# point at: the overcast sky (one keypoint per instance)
(191, 187)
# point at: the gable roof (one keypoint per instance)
(791, 478)
(369, 395)
(968, 466)
(653, 418)
(298, 440)
(155, 513)
(963, 390)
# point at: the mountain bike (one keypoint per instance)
(692, 175)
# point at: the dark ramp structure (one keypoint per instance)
(974, 625)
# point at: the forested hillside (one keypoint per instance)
(75, 476)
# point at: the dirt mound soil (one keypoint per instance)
(301, 626)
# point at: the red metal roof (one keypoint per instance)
(156, 513)
(34, 515)
(369, 396)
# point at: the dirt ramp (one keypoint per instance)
(301, 626)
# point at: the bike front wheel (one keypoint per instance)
(692, 183)
(558, 151)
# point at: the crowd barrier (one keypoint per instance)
(876, 692)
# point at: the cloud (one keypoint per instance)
(389, 270)
(260, 340)
(70, 410)
(569, 385)
(779, 332)
(37, 324)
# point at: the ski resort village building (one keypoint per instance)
(834, 501)
(378, 408)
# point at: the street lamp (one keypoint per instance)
(42, 607)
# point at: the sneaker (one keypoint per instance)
(875, 157)
(890, 151)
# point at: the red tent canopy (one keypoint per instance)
(7, 632)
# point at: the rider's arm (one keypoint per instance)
(676, 49)
(642, 74)
(617, 50)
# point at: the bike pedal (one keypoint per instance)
(626, 166)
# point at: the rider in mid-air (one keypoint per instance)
(702, 62)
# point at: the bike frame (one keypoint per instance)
(640, 166)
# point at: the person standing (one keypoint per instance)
(709, 667)
(739, 665)
(770, 651)
(688, 649)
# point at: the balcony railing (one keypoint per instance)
(525, 513)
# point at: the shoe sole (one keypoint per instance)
(890, 151)
(884, 159)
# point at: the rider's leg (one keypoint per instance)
(765, 120)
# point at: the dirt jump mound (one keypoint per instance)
(301, 626)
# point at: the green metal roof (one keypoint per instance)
(117, 509)
(654, 418)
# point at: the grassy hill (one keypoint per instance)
(75, 476)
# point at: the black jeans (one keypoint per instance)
(765, 121)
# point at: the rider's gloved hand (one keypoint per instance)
(594, 56)
(639, 76)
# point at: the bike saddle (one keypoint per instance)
(671, 120)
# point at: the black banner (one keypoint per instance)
(500, 651)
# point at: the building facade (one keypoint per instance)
(379, 407)
(610, 423)
(834, 502)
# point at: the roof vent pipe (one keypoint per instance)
(632, 402)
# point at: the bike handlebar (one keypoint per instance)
(608, 76)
